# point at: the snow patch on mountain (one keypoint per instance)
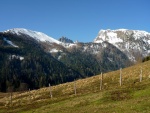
(108, 36)
(16, 57)
(113, 38)
(54, 50)
(110, 59)
(10, 42)
(68, 45)
(39, 36)
(59, 57)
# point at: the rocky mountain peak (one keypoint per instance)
(134, 43)
(65, 40)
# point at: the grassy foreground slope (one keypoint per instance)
(132, 97)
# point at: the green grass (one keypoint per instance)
(132, 97)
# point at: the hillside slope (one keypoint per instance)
(24, 64)
(132, 97)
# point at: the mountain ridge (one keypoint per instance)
(30, 61)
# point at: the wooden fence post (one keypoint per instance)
(120, 76)
(75, 89)
(101, 81)
(11, 99)
(141, 75)
(50, 90)
(29, 95)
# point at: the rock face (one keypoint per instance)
(133, 43)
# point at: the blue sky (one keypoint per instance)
(76, 19)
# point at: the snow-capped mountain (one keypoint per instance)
(133, 43)
(33, 54)
(39, 36)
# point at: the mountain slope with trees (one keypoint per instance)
(36, 68)
(31, 59)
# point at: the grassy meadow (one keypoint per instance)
(132, 97)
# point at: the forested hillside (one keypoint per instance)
(28, 66)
